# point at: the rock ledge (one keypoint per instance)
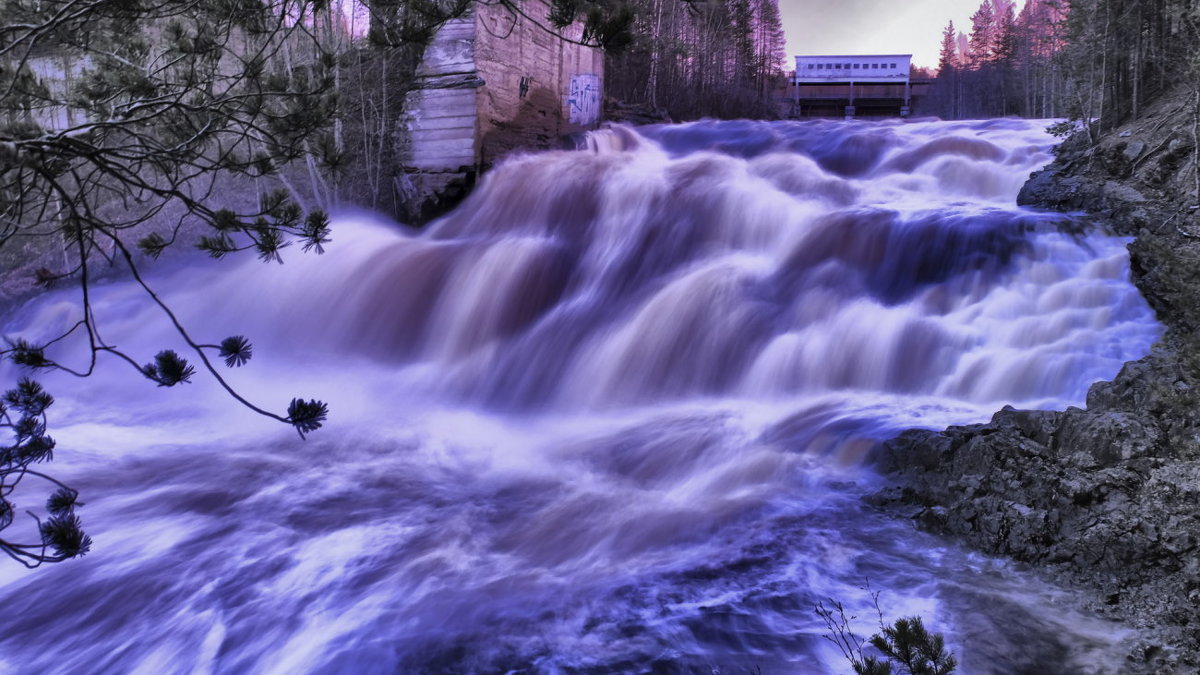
(1105, 498)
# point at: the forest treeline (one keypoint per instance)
(664, 59)
(701, 58)
(1099, 60)
(693, 58)
(682, 59)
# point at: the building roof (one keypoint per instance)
(849, 56)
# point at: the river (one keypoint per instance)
(614, 413)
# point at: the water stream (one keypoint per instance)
(609, 415)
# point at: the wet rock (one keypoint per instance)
(914, 449)
(1121, 193)
(1049, 188)
(1108, 497)
(1161, 169)
(1109, 437)
(1036, 425)
(1164, 266)
(1133, 151)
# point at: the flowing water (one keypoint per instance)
(614, 413)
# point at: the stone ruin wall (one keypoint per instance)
(492, 82)
(538, 86)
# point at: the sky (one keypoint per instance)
(873, 26)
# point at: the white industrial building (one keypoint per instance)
(852, 85)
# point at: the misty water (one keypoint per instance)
(615, 413)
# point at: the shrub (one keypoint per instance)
(905, 646)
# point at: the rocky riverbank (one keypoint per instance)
(1108, 497)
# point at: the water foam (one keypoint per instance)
(611, 412)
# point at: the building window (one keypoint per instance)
(893, 66)
(810, 66)
(875, 66)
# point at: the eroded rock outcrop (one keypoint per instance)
(1108, 497)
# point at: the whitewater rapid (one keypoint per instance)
(614, 413)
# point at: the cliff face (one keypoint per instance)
(1107, 497)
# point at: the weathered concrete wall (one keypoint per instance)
(491, 82)
(527, 99)
(440, 128)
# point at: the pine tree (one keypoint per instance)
(692, 57)
(948, 52)
(607, 24)
(948, 75)
(772, 45)
(1004, 49)
(1010, 64)
(60, 534)
(166, 99)
(742, 30)
(119, 124)
(983, 36)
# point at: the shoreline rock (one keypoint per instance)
(1105, 498)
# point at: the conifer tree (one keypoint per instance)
(948, 75)
(700, 57)
(772, 54)
(983, 36)
(117, 122)
(1098, 61)
(120, 123)
(741, 16)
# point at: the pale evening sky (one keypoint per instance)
(873, 26)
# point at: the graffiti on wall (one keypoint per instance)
(583, 101)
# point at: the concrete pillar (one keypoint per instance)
(796, 84)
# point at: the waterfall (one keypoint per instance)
(611, 414)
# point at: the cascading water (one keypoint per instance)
(609, 415)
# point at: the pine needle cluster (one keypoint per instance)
(23, 414)
(904, 646)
